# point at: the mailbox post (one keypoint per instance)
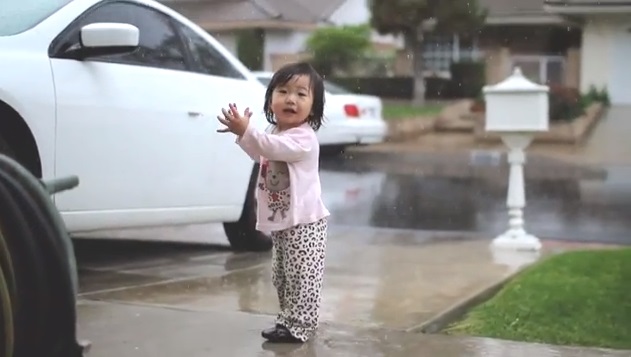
(516, 109)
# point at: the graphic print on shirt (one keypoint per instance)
(276, 183)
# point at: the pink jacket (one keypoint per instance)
(288, 188)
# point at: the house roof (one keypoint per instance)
(225, 15)
(587, 6)
(321, 8)
(506, 12)
(602, 3)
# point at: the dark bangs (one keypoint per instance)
(287, 73)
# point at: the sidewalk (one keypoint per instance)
(375, 277)
(131, 331)
(380, 283)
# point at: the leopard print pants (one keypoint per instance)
(297, 272)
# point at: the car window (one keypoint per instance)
(208, 60)
(19, 16)
(265, 80)
(159, 44)
(335, 89)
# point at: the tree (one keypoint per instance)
(414, 18)
(338, 47)
(250, 49)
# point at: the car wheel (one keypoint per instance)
(242, 234)
(333, 150)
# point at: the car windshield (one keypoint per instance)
(328, 86)
(19, 16)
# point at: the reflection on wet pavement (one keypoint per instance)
(131, 330)
(399, 280)
(458, 192)
(408, 239)
(451, 193)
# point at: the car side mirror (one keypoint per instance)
(106, 38)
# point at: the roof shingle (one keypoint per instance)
(229, 14)
(306, 14)
(518, 11)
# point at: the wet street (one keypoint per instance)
(460, 193)
(467, 193)
(408, 239)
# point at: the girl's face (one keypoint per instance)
(292, 102)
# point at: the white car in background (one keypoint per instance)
(349, 118)
(125, 94)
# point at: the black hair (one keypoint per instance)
(284, 75)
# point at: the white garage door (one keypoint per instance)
(620, 72)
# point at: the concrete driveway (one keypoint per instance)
(408, 240)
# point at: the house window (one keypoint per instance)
(439, 51)
(467, 49)
(541, 68)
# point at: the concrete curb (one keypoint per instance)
(459, 309)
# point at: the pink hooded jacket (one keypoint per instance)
(288, 188)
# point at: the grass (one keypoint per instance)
(401, 111)
(578, 298)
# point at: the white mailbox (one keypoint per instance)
(516, 105)
(516, 108)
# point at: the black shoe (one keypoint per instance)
(281, 335)
(267, 333)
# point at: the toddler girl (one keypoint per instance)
(289, 194)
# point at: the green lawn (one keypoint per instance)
(578, 298)
(399, 111)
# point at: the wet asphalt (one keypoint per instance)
(466, 192)
(457, 195)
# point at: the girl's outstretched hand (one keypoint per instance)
(235, 122)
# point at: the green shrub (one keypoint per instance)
(565, 103)
(597, 95)
(468, 78)
(338, 47)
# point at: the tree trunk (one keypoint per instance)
(414, 45)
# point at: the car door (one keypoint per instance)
(217, 83)
(138, 132)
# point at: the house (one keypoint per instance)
(521, 33)
(284, 25)
(517, 33)
(606, 43)
(575, 43)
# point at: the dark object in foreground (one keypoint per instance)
(38, 280)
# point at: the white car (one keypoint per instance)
(125, 94)
(349, 118)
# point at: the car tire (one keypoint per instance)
(333, 150)
(5, 149)
(242, 234)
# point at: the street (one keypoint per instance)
(406, 242)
